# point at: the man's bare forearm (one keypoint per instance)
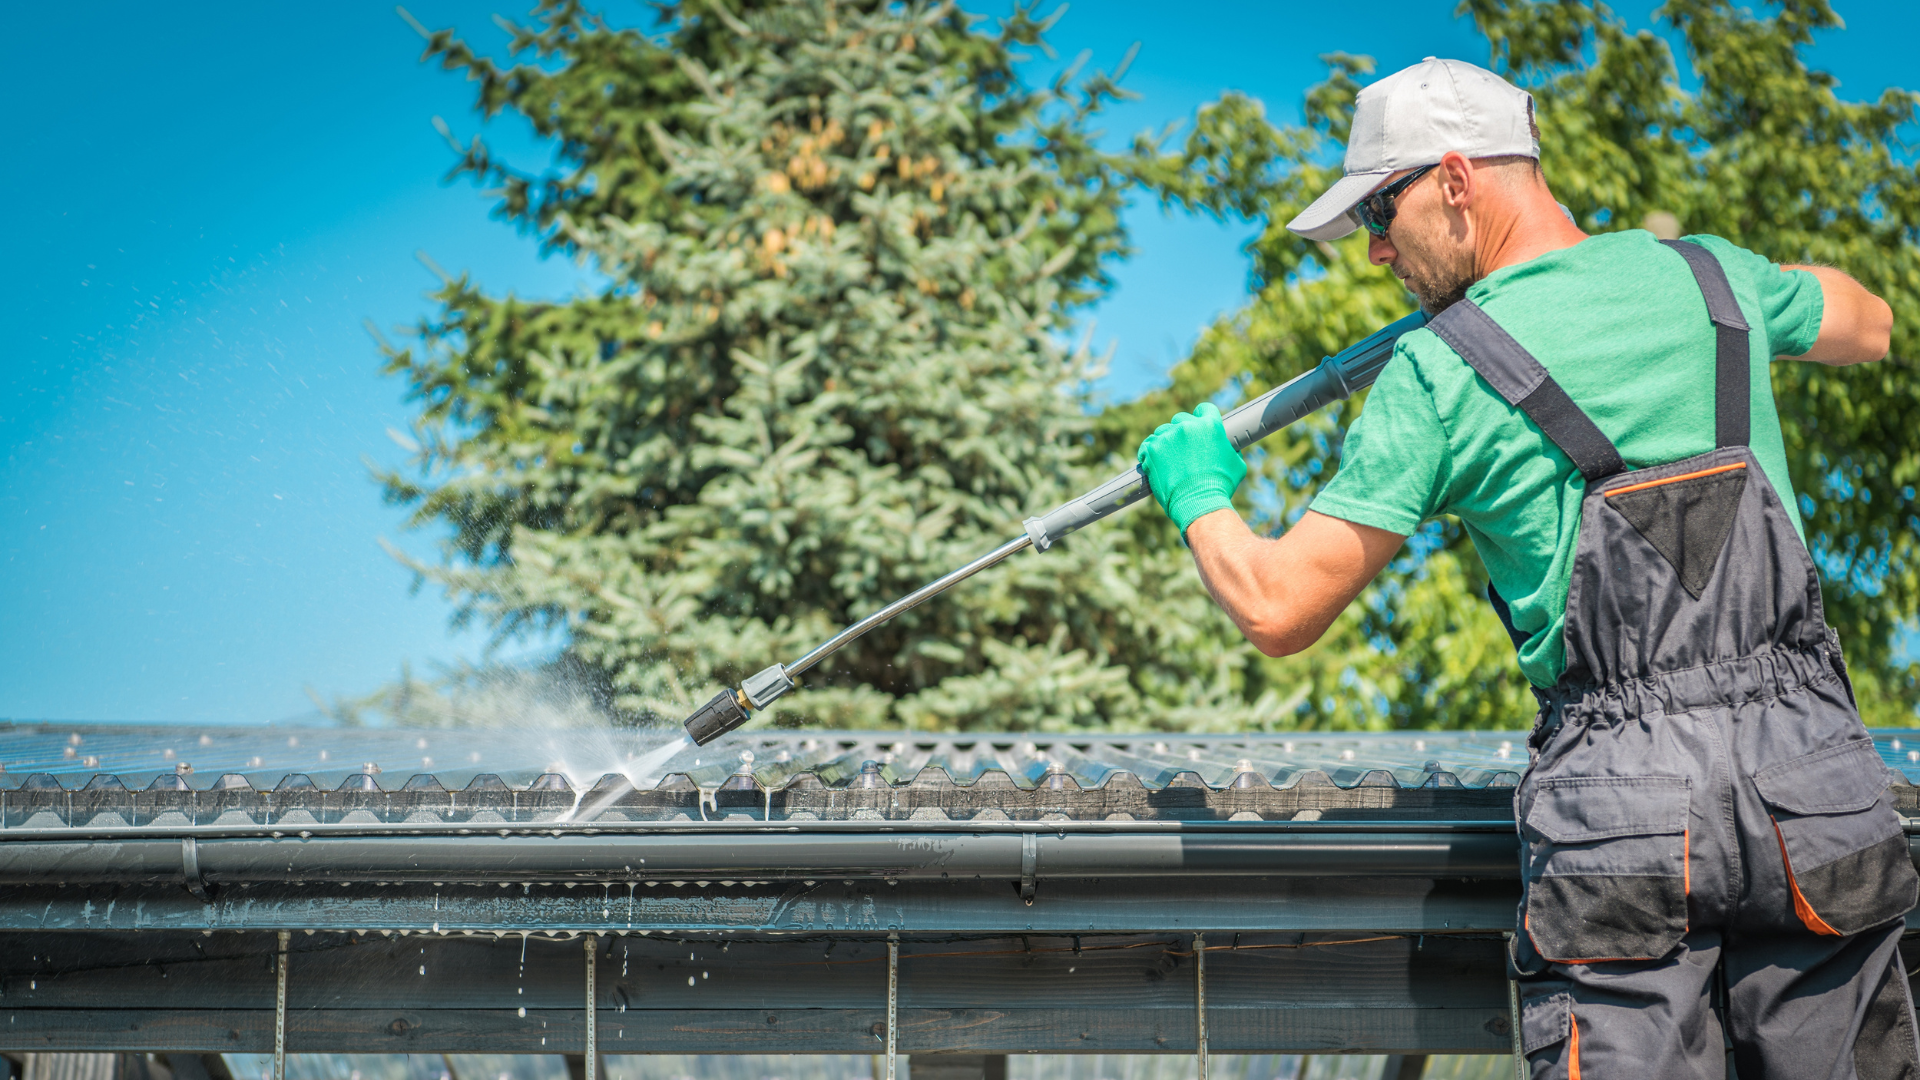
(1856, 327)
(1284, 593)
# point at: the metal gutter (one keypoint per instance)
(1010, 855)
(761, 852)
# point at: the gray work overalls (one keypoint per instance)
(1708, 836)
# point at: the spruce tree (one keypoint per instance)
(843, 245)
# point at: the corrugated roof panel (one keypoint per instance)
(389, 759)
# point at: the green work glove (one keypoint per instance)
(1191, 465)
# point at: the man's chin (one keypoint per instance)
(1435, 299)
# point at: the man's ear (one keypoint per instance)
(1457, 184)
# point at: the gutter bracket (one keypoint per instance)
(893, 1005)
(1201, 1053)
(280, 1008)
(1029, 865)
(1520, 1066)
(592, 1058)
(190, 870)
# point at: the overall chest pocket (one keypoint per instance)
(1607, 867)
(1847, 861)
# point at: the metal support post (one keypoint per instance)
(1513, 1017)
(1200, 998)
(593, 1061)
(893, 1002)
(280, 1008)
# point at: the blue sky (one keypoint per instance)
(206, 207)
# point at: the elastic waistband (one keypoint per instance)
(1718, 685)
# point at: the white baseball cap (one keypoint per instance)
(1413, 117)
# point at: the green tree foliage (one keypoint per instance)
(842, 243)
(1764, 153)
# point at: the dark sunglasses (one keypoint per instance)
(1375, 212)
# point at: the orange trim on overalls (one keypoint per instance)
(1801, 908)
(1676, 479)
(1573, 1047)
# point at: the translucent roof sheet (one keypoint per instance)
(264, 756)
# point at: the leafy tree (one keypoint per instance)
(1764, 153)
(842, 242)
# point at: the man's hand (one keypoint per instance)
(1856, 327)
(1283, 594)
(1191, 465)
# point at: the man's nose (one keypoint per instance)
(1380, 250)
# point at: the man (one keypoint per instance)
(1705, 820)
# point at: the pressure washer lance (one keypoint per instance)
(1335, 378)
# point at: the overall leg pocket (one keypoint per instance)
(1847, 862)
(1548, 1037)
(1607, 867)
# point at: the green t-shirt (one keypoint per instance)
(1619, 322)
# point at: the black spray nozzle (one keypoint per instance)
(717, 717)
(730, 708)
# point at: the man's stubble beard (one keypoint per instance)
(1437, 275)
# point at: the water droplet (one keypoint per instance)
(523, 1010)
(423, 969)
(703, 974)
(689, 980)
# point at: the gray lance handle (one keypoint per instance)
(1338, 376)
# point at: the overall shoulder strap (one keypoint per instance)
(1733, 360)
(1516, 376)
